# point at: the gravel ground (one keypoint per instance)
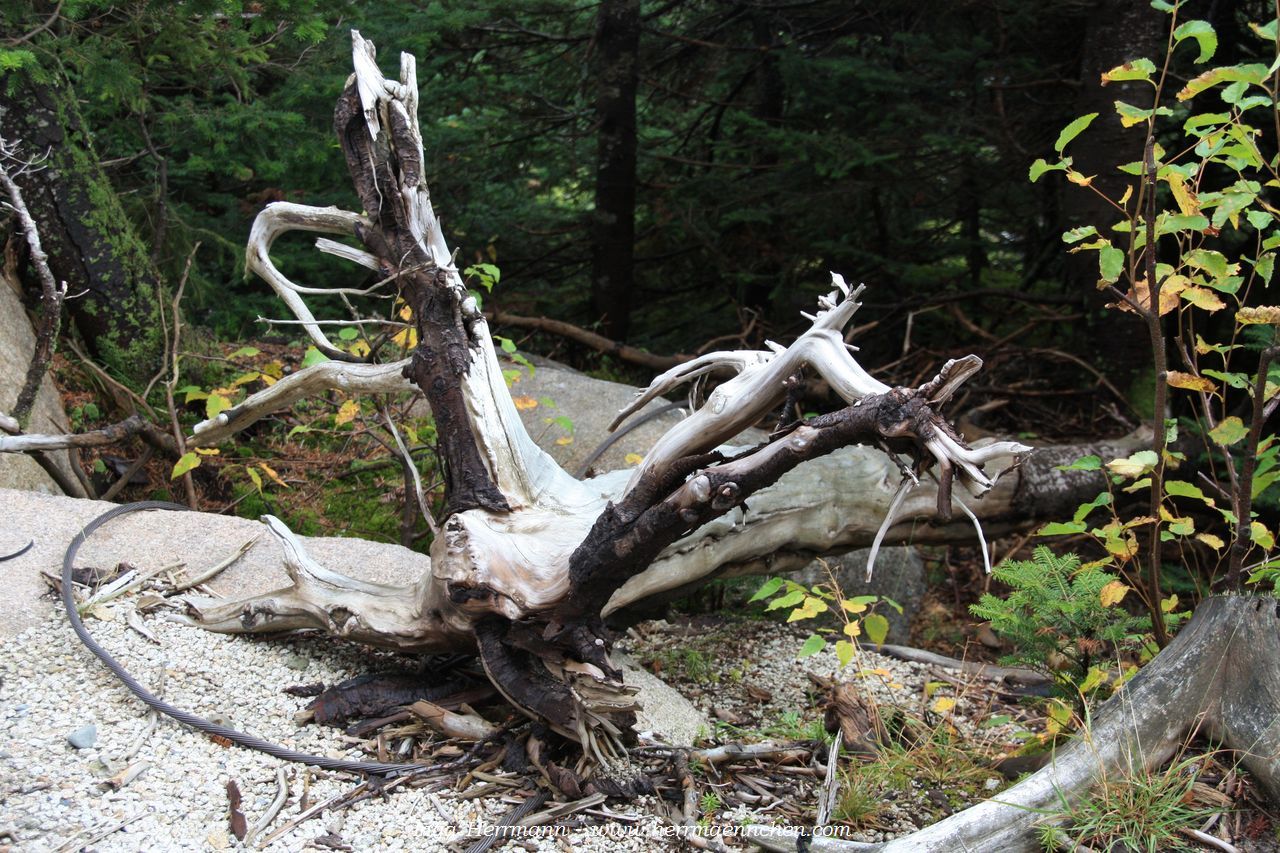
(54, 796)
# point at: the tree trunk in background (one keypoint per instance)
(613, 223)
(112, 286)
(1116, 33)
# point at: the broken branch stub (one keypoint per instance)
(529, 558)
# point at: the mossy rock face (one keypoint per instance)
(90, 242)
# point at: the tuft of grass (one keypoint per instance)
(861, 801)
(1144, 812)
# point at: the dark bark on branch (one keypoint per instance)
(443, 355)
(599, 343)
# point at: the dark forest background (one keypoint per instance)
(665, 173)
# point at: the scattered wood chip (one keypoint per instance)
(239, 827)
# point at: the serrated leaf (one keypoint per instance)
(1189, 382)
(877, 628)
(768, 588)
(1040, 166)
(1254, 73)
(1134, 465)
(1110, 264)
(1239, 381)
(1261, 536)
(791, 599)
(1182, 489)
(1075, 235)
(1186, 198)
(1228, 432)
(1203, 298)
(313, 357)
(1259, 315)
(1072, 130)
(214, 405)
(1062, 528)
(347, 413)
(1212, 541)
(844, 652)
(1084, 463)
(1202, 32)
(1113, 593)
(1138, 69)
(1265, 267)
(187, 462)
(811, 646)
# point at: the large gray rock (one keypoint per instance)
(17, 342)
(159, 538)
(899, 575)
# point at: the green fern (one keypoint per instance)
(1056, 621)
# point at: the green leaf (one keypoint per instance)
(877, 628)
(313, 357)
(769, 587)
(1062, 528)
(245, 352)
(1084, 463)
(1204, 35)
(1214, 263)
(1040, 166)
(1182, 489)
(1134, 465)
(1075, 235)
(1254, 73)
(1110, 263)
(255, 477)
(1228, 432)
(1265, 266)
(348, 333)
(188, 462)
(1073, 130)
(844, 652)
(1138, 69)
(791, 599)
(215, 405)
(811, 646)
(1082, 511)
(1239, 381)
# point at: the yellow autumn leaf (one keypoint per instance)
(943, 704)
(360, 348)
(1212, 541)
(1113, 593)
(347, 413)
(568, 439)
(1259, 314)
(208, 451)
(405, 338)
(271, 472)
(1189, 382)
(524, 404)
(1188, 203)
(853, 629)
(633, 459)
(1079, 179)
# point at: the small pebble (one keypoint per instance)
(83, 737)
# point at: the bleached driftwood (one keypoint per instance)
(529, 558)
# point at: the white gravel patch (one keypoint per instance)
(54, 796)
